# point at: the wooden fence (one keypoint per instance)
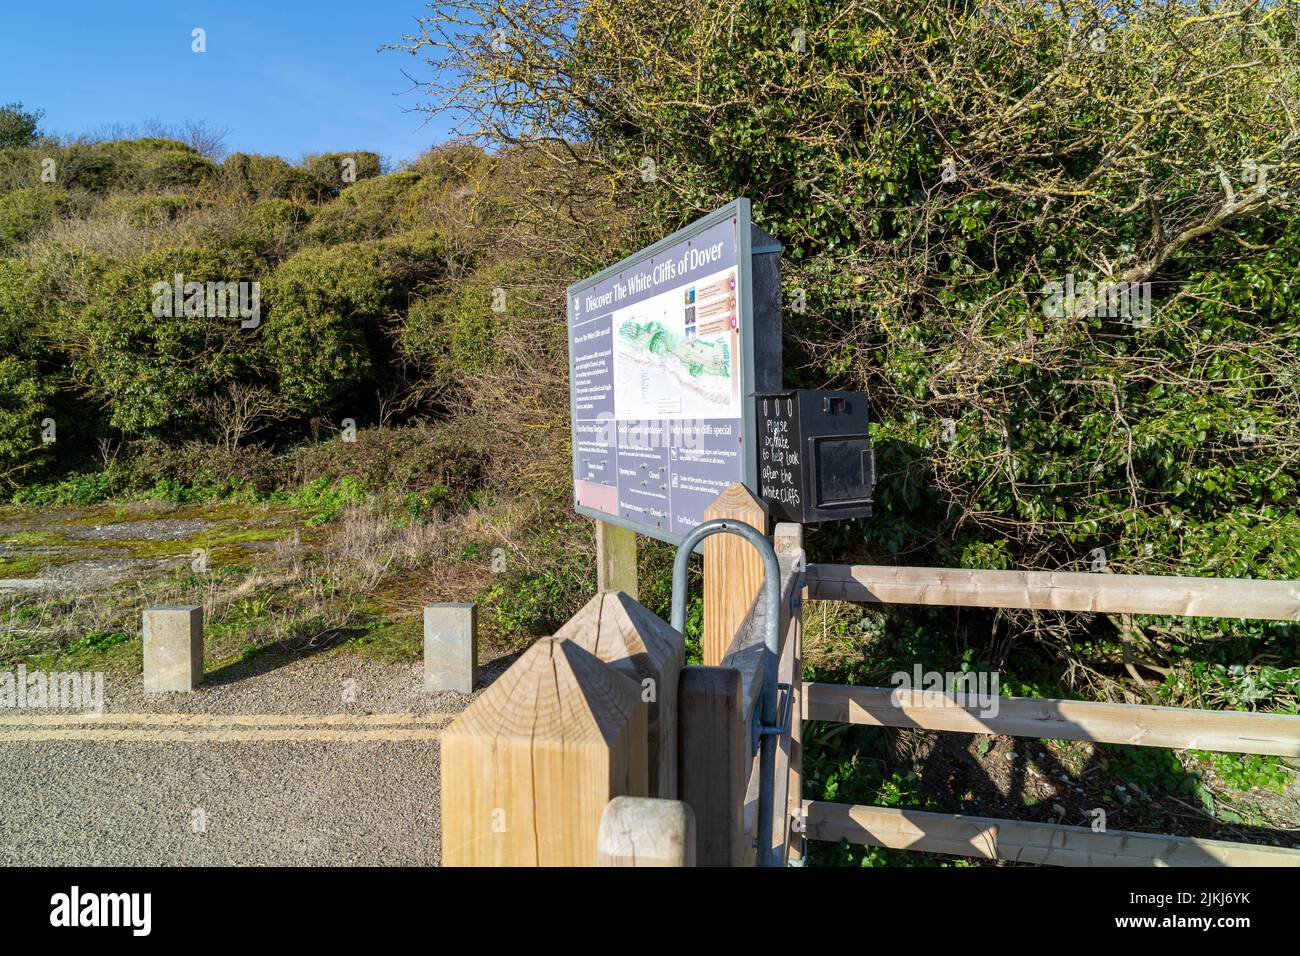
(598, 746)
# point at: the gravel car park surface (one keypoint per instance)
(325, 760)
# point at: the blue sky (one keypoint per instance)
(284, 76)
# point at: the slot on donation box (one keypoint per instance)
(815, 461)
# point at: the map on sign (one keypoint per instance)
(659, 379)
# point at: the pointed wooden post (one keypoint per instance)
(733, 572)
(637, 643)
(529, 767)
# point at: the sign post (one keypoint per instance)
(615, 559)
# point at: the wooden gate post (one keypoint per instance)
(640, 645)
(733, 572)
(714, 762)
(529, 767)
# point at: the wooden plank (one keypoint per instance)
(529, 767)
(788, 541)
(733, 571)
(713, 762)
(1181, 728)
(616, 559)
(747, 655)
(640, 645)
(640, 831)
(1057, 591)
(1044, 843)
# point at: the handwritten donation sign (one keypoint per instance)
(660, 378)
(780, 464)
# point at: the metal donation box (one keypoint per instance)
(814, 455)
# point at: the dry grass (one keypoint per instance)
(836, 634)
(110, 233)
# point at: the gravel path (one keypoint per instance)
(324, 760)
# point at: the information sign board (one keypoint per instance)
(661, 378)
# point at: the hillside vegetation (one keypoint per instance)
(376, 380)
(934, 171)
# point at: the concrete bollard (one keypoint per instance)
(450, 647)
(173, 648)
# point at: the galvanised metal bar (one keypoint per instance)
(768, 717)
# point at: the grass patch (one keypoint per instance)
(389, 642)
(97, 651)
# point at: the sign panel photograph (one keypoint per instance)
(660, 373)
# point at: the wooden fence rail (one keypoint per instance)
(1181, 728)
(1057, 591)
(1025, 842)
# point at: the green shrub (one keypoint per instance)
(23, 398)
(277, 224)
(273, 216)
(270, 229)
(18, 126)
(80, 489)
(149, 210)
(147, 369)
(18, 291)
(90, 167)
(323, 499)
(329, 167)
(453, 333)
(132, 164)
(367, 210)
(151, 464)
(158, 163)
(535, 599)
(323, 304)
(268, 177)
(455, 164)
(456, 334)
(445, 459)
(23, 212)
(18, 168)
